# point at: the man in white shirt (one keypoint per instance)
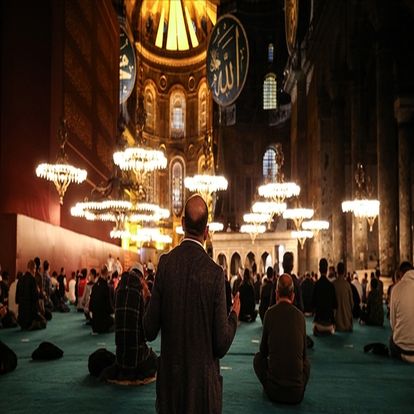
(402, 315)
(358, 285)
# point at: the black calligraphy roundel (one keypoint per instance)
(227, 60)
(127, 67)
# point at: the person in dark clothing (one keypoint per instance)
(257, 287)
(27, 297)
(188, 305)
(356, 309)
(287, 264)
(229, 297)
(100, 305)
(324, 303)
(248, 312)
(135, 361)
(373, 313)
(307, 287)
(281, 365)
(266, 293)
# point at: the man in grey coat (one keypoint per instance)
(188, 305)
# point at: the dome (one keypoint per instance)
(177, 25)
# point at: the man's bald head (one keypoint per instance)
(285, 287)
(195, 216)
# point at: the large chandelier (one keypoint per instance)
(140, 159)
(269, 207)
(301, 235)
(252, 229)
(297, 215)
(278, 190)
(362, 206)
(205, 183)
(61, 173)
(315, 225)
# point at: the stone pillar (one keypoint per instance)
(359, 246)
(338, 229)
(404, 111)
(386, 153)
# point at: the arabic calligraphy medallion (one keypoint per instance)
(127, 67)
(227, 60)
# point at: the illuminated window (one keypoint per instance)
(269, 164)
(202, 109)
(177, 114)
(269, 92)
(177, 189)
(270, 51)
(149, 109)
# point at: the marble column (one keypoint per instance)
(387, 156)
(338, 229)
(404, 111)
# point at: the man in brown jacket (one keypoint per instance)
(188, 305)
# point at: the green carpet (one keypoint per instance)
(343, 378)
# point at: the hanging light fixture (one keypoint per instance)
(363, 206)
(278, 190)
(297, 215)
(301, 235)
(253, 230)
(315, 225)
(61, 173)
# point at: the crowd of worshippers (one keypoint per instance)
(114, 300)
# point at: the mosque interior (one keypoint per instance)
(285, 108)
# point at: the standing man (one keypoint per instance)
(344, 300)
(188, 305)
(281, 365)
(324, 303)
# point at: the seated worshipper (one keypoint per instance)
(356, 309)
(402, 315)
(27, 297)
(266, 292)
(86, 297)
(82, 282)
(135, 361)
(281, 365)
(344, 300)
(11, 302)
(306, 287)
(324, 303)
(100, 305)
(373, 312)
(248, 312)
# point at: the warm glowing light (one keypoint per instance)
(206, 183)
(215, 226)
(61, 175)
(301, 235)
(298, 215)
(269, 207)
(256, 218)
(279, 191)
(368, 209)
(140, 159)
(253, 230)
(315, 225)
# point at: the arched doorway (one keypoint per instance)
(222, 261)
(266, 261)
(235, 264)
(250, 262)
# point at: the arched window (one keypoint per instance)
(269, 164)
(202, 109)
(269, 92)
(270, 52)
(177, 188)
(177, 114)
(149, 109)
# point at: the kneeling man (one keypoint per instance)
(281, 365)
